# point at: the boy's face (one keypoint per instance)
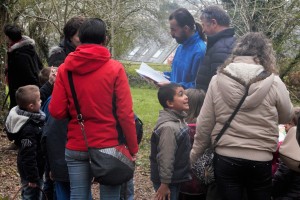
(35, 107)
(180, 101)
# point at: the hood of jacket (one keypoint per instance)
(87, 58)
(25, 41)
(233, 78)
(168, 115)
(64, 46)
(14, 122)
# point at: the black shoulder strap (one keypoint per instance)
(227, 123)
(79, 115)
(74, 95)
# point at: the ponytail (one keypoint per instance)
(199, 29)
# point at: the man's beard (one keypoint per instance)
(181, 39)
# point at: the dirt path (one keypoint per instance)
(10, 182)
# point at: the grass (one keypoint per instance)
(146, 107)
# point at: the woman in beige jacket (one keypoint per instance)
(243, 155)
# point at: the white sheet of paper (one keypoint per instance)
(147, 71)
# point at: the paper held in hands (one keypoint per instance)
(148, 72)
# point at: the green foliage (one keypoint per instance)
(146, 106)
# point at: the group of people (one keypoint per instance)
(211, 71)
(230, 69)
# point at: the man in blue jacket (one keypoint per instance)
(220, 41)
(191, 50)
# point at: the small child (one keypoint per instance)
(287, 127)
(170, 143)
(24, 125)
(193, 189)
(286, 182)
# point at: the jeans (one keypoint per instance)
(62, 190)
(127, 190)
(29, 193)
(174, 189)
(81, 177)
(235, 176)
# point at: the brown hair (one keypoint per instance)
(257, 45)
(296, 115)
(26, 95)
(196, 99)
(44, 75)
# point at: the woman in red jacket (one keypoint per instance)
(97, 80)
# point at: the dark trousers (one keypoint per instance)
(234, 176)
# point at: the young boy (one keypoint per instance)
(170, 143)
(24, 125)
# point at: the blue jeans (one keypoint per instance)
(127, 190)
(62, 190)
(81, 177)
(174, 189)
(29, 193)
(235, 176)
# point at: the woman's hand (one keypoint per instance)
(134, 156)
(162, 192)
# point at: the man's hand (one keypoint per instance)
(162, 192)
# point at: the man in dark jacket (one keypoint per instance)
(23, 63)
(220, 41)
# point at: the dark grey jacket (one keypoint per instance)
(170, 148)
(219, 47)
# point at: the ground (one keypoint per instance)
(10, 182)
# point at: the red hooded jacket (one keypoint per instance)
(96, 78)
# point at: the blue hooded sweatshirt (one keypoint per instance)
(186, 61)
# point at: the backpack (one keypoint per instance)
(139, 130)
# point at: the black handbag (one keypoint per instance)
(109, 166)
(203, 167)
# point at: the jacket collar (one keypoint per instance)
(23, 42)
(192, 39)
(254, 71)
(212, 39)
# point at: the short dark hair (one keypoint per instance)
(217, 13)
(92, 31)
(183, 18)
(13, 32)
(167, 93)
(25, 95)
(72, 26)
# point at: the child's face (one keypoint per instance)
(288, 126)
(180, 101)
(35, 107)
